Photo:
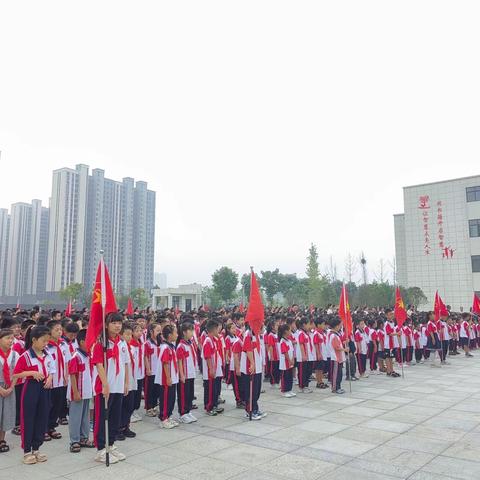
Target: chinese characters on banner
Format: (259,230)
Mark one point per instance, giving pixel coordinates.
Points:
(424,205)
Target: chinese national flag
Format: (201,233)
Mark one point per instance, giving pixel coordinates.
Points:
(255,312)
(439,308)
(476,305)
(103,303)
(69,309)
(344,312)
(400,312)
(129,310)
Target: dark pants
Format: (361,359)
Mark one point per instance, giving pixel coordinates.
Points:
(128,406)
(337,373)
(166,401)
(329,369)
(238,387)
(185,394)
(304,374)
(274,372)
(426,353)
(407,354)
(18,401)
(253,386)
(351,366)
(444,350)
(418,354)
(34,409)
(114,415)
(138,395)
(286,380)
(373,360)
(151,393)
(57,400)
(362,362)
(211,392)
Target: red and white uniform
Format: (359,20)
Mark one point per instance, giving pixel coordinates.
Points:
(187,352)
(152,351)
(392,339)
(336,343)
(361,341)
(79,365)
(237,347)
(417,340)
(117,360)
(272,341)
(60,354)
(11,359)
(307,342)
(210,351)
(139,347)
(286,352)
(251,344)
(29,361)
(167,356)
(380,334)
(407,336)
(132,356)
(431,328)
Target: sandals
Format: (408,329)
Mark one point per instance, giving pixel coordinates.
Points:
(63,421)
(54,434)
(29,459)
(87,444)
(47,437)
(4,448)
(75,447)
(40,457)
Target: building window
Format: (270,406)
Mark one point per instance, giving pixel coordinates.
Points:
(176,301)
(474,227)
(475,263)
(473,194)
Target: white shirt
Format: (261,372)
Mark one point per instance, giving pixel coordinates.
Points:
(79,365)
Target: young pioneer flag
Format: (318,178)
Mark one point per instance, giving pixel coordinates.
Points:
(400,312)
(344,312)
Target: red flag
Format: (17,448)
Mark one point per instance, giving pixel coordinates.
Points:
(400,312)
(344,312)
(69,309)
(476,304)
(103,303)
(255,312)
(129,310)
(439,308)
(241,308)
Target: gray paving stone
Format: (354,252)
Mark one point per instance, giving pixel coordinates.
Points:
(462,469)
(343,446)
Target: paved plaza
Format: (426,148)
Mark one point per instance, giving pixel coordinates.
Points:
(423,427)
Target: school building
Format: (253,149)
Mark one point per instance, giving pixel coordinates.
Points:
(437,240)
(185,297)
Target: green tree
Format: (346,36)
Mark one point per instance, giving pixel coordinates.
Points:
(270,281)
(122,301)
(211,297)
(140,298)
(224,283)
(413,296)
(71,292)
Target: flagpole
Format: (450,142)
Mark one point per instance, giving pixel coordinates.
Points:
(348,341)
(253,353)
(105,363)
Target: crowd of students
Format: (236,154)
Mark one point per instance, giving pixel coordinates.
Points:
(48,377)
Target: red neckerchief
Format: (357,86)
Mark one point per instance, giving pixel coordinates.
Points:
(139,345)
(6,367)
(132,360)
(41,360)
(59,357)
(174,357)
(114,353)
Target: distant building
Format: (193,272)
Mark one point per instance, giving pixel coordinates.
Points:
(185,297)
(160,280)
(437,240)
(23,249)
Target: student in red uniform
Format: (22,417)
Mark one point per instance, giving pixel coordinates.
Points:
(273,352)
(110,385)
(319,343)
(60,353)
(79,393)
(380,346)
(230,339)
(303,347)
(465,333)
(286,361)
(338,355)
(152,349)
(236,374)
(35,366)
(8,360)
(187,368)
(361,344)
(167,377)
(433,341)
(391,343)
(137,344)
(211,370)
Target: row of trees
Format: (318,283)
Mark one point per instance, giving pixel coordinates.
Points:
(315,288)
(77,293)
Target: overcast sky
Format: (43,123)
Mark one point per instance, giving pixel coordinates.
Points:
(263,126)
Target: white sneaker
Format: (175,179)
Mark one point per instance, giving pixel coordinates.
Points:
(101,457)
(116,454)
(185,419)
(289,394)
(135,418)
(167,424)
(306,390)
(194,419)
(175,423)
